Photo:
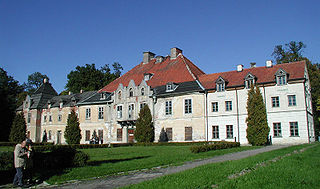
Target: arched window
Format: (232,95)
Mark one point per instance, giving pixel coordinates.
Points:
(142,91)
(281,77)
(130,92)
(119,95)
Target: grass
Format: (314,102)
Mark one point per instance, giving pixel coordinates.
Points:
(109,161)
(296,171)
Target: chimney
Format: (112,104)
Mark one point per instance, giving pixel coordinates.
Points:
(239,67)
(175,52)
(252,64)
(269,63)
(46,80)
(81,91)
(70,93)
(147,56)
(159,59)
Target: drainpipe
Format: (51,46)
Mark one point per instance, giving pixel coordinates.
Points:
(305,101)
(206,115)
(238,115)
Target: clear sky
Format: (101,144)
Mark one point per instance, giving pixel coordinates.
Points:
(53,37)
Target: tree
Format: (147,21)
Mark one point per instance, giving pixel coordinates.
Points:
(9,89)
(144,127)
(44,137)
(90,78)
(257,125)
(18,129)
(293,52)
(163,136)
(34,81)
(72,134)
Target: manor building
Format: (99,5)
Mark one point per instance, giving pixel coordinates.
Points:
(189,104)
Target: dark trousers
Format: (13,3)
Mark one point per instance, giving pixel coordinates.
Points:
(18,177)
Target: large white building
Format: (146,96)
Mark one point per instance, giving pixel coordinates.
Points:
(189,104)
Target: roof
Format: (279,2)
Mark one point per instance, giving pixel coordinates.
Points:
(189,86)
(262,74)
(177,70)
(46,88)
(67,99)
(96,99)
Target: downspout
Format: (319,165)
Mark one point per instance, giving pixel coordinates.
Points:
(305,101)
(238,115)
(206,115)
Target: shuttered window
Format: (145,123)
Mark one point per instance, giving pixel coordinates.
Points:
(119,134)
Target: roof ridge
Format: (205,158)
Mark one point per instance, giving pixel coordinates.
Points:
(188,68)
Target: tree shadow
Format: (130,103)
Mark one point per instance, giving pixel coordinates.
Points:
(97,163)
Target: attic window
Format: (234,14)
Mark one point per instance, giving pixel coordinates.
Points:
(119,95)
(61,105)
(142,92)
(249,81)
(130,92)
(281,77)
(220,84)
(170,87)
(147,76)
(103,96)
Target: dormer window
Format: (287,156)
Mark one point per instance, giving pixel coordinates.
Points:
(61,105)
(220,84)
(171,86)
(102,96)
(281,77)
(130,92)
(249,80)
(147,76)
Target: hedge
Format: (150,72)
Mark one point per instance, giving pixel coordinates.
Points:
(213,146)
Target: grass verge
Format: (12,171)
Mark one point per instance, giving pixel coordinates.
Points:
(295,171)
(109,161)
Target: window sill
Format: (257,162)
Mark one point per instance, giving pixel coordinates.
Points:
(277,136)
(295,136)
(230,138)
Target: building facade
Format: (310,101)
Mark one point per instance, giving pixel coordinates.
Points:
(189,104)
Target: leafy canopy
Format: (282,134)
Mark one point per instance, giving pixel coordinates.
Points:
(34,81)
(144,127)
(72,134)
(90,78)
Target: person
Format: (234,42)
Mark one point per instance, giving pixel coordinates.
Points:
(20,155)
(29,162)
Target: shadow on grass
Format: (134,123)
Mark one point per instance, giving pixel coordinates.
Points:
(97,163)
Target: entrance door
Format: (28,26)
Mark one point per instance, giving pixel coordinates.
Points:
(130,135)
(100,134)
(59,137)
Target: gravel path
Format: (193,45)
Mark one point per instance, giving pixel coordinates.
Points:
(123,180)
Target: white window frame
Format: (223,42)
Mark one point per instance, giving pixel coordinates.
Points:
(277,130)
(229,132)
(131,111)
(215,132)
(215,106)
(228,104)
(88,113)
(275,101)
(100,112)
(188,106)
(119,111)
(292,100)
(294,129)
(168,107)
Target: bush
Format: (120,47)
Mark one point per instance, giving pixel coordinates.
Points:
(213,146)
(80,159)
(6,161)
(163,136)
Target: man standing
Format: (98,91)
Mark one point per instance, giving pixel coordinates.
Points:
(20,155)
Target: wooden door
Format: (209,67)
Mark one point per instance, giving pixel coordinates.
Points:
(130,135)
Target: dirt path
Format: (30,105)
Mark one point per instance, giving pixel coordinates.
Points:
(124,180)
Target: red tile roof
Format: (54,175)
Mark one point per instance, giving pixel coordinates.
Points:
(263,74)
(176,70)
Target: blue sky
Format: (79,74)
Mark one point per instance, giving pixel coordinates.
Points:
(53,37)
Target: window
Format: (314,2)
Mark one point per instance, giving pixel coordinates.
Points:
(275,101)
(169,87)
(130,92)
(294,131)
(87,135)
(119,95)
(188,133)
(119,112)
(229,131)
(277,130)
(228,105)
(45,118)
(215,107)
(61,105)
(169,107)
(100,135)
(88,113)
(119,134)
(169,133)
(142,91)
(29,118)
(187,106)
(130,110)
(100,113)
(50,118)
(49,135)
(292,100)
(220,87)
(281,80)
(215,131)
(143,104)
(59,117)
(249,83)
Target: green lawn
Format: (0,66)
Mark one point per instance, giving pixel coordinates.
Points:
(108,161)
(296,171)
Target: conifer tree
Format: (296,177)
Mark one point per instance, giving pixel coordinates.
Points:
(72,134)
(144,127)
(258,129)
(18,129)
(163,136)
